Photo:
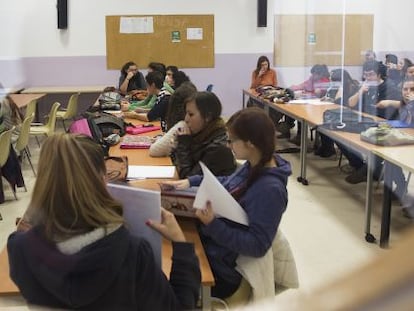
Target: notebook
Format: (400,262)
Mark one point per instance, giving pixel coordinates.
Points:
(139,129)
(136,142)
(140,205)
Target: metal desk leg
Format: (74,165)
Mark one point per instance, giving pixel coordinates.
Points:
(206,297)
(368,199)
(303,150)
(386,206)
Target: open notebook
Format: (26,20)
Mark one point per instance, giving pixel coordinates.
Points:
(139,206)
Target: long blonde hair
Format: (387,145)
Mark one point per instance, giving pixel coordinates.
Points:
(70,196)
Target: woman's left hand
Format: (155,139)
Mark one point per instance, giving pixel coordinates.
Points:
(206,215)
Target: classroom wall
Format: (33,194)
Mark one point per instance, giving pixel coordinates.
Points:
(35,53)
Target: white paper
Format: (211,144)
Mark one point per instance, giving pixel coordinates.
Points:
(315,102)
(223,204)
(194,33)
(136,24)
(150,171)
(139,205)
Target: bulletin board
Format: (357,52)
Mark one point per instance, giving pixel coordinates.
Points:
(305,40)
(186,41)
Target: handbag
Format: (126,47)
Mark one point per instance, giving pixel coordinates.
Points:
(116,168)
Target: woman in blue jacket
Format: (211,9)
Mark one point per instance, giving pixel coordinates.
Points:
(259,186)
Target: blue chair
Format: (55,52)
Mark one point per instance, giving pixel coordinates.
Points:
(209,88)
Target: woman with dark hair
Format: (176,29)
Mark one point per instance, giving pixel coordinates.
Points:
(131,79)
(174,120)
(203,138)
(259,186)
(263,74)
(75,251)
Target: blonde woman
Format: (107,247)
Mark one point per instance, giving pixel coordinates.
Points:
(77,254)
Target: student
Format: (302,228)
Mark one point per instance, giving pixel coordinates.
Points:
(131,79)
(203,138)
(10,115)
(393,72)
(170,70)
(77,254)
(315,86)
(164,145)
(263,74)
(259,186)
(155,83)
(338,93)
(369,99)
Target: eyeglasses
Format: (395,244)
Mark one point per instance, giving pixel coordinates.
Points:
(369,74)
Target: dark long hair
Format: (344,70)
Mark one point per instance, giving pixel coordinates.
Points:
(349,85)
(253,125)
(177,102)
(126,66)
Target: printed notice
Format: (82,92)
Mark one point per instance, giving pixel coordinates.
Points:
(194,33)
(136,24)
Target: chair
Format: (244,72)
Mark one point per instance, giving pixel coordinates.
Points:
(209,88)
(5,139)
(70,111)
(31,108)
(48,128)
(23,140)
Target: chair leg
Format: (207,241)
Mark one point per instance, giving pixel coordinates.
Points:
(30,161)
(64,126)
(38,143)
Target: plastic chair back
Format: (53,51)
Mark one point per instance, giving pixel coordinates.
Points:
(5,139)
(31,108)
(23,139)
(72,108)
(51,123)
(209,88)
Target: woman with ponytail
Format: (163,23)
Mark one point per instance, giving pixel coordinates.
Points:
(259,186)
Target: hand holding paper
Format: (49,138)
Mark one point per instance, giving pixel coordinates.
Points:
(224,205)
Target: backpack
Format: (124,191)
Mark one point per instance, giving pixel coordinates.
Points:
(352,121)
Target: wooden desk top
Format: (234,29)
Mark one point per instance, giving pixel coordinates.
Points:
(65,89)
(398,155)
(22,100)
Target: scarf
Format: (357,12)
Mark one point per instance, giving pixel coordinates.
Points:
(212,127)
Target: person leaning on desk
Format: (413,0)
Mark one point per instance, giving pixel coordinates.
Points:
(77,254)
(259,186)
(131,79)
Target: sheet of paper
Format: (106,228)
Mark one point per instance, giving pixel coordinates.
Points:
(150,171)
(194,33)
(315,102)
(224,205)
(139,205)
(136,24)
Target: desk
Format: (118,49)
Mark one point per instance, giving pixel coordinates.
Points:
(401,156)
(8,288)
(22,100)
(65,89)
(313,115)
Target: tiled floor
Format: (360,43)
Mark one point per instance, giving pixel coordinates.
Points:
(324,222)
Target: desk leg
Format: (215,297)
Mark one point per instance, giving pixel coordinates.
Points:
(303,150)
(206,298)
(386,207)
(368,199)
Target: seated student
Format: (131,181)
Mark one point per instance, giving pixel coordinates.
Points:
(315,86)
(131,79)
(393,72)
(148,103)
(403,65)
(203,138)
(164,145)
(169,71)
(338,93)
(10,115)
(77,253)
(259,186)
(155,82)
(369,99)
(263,75)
